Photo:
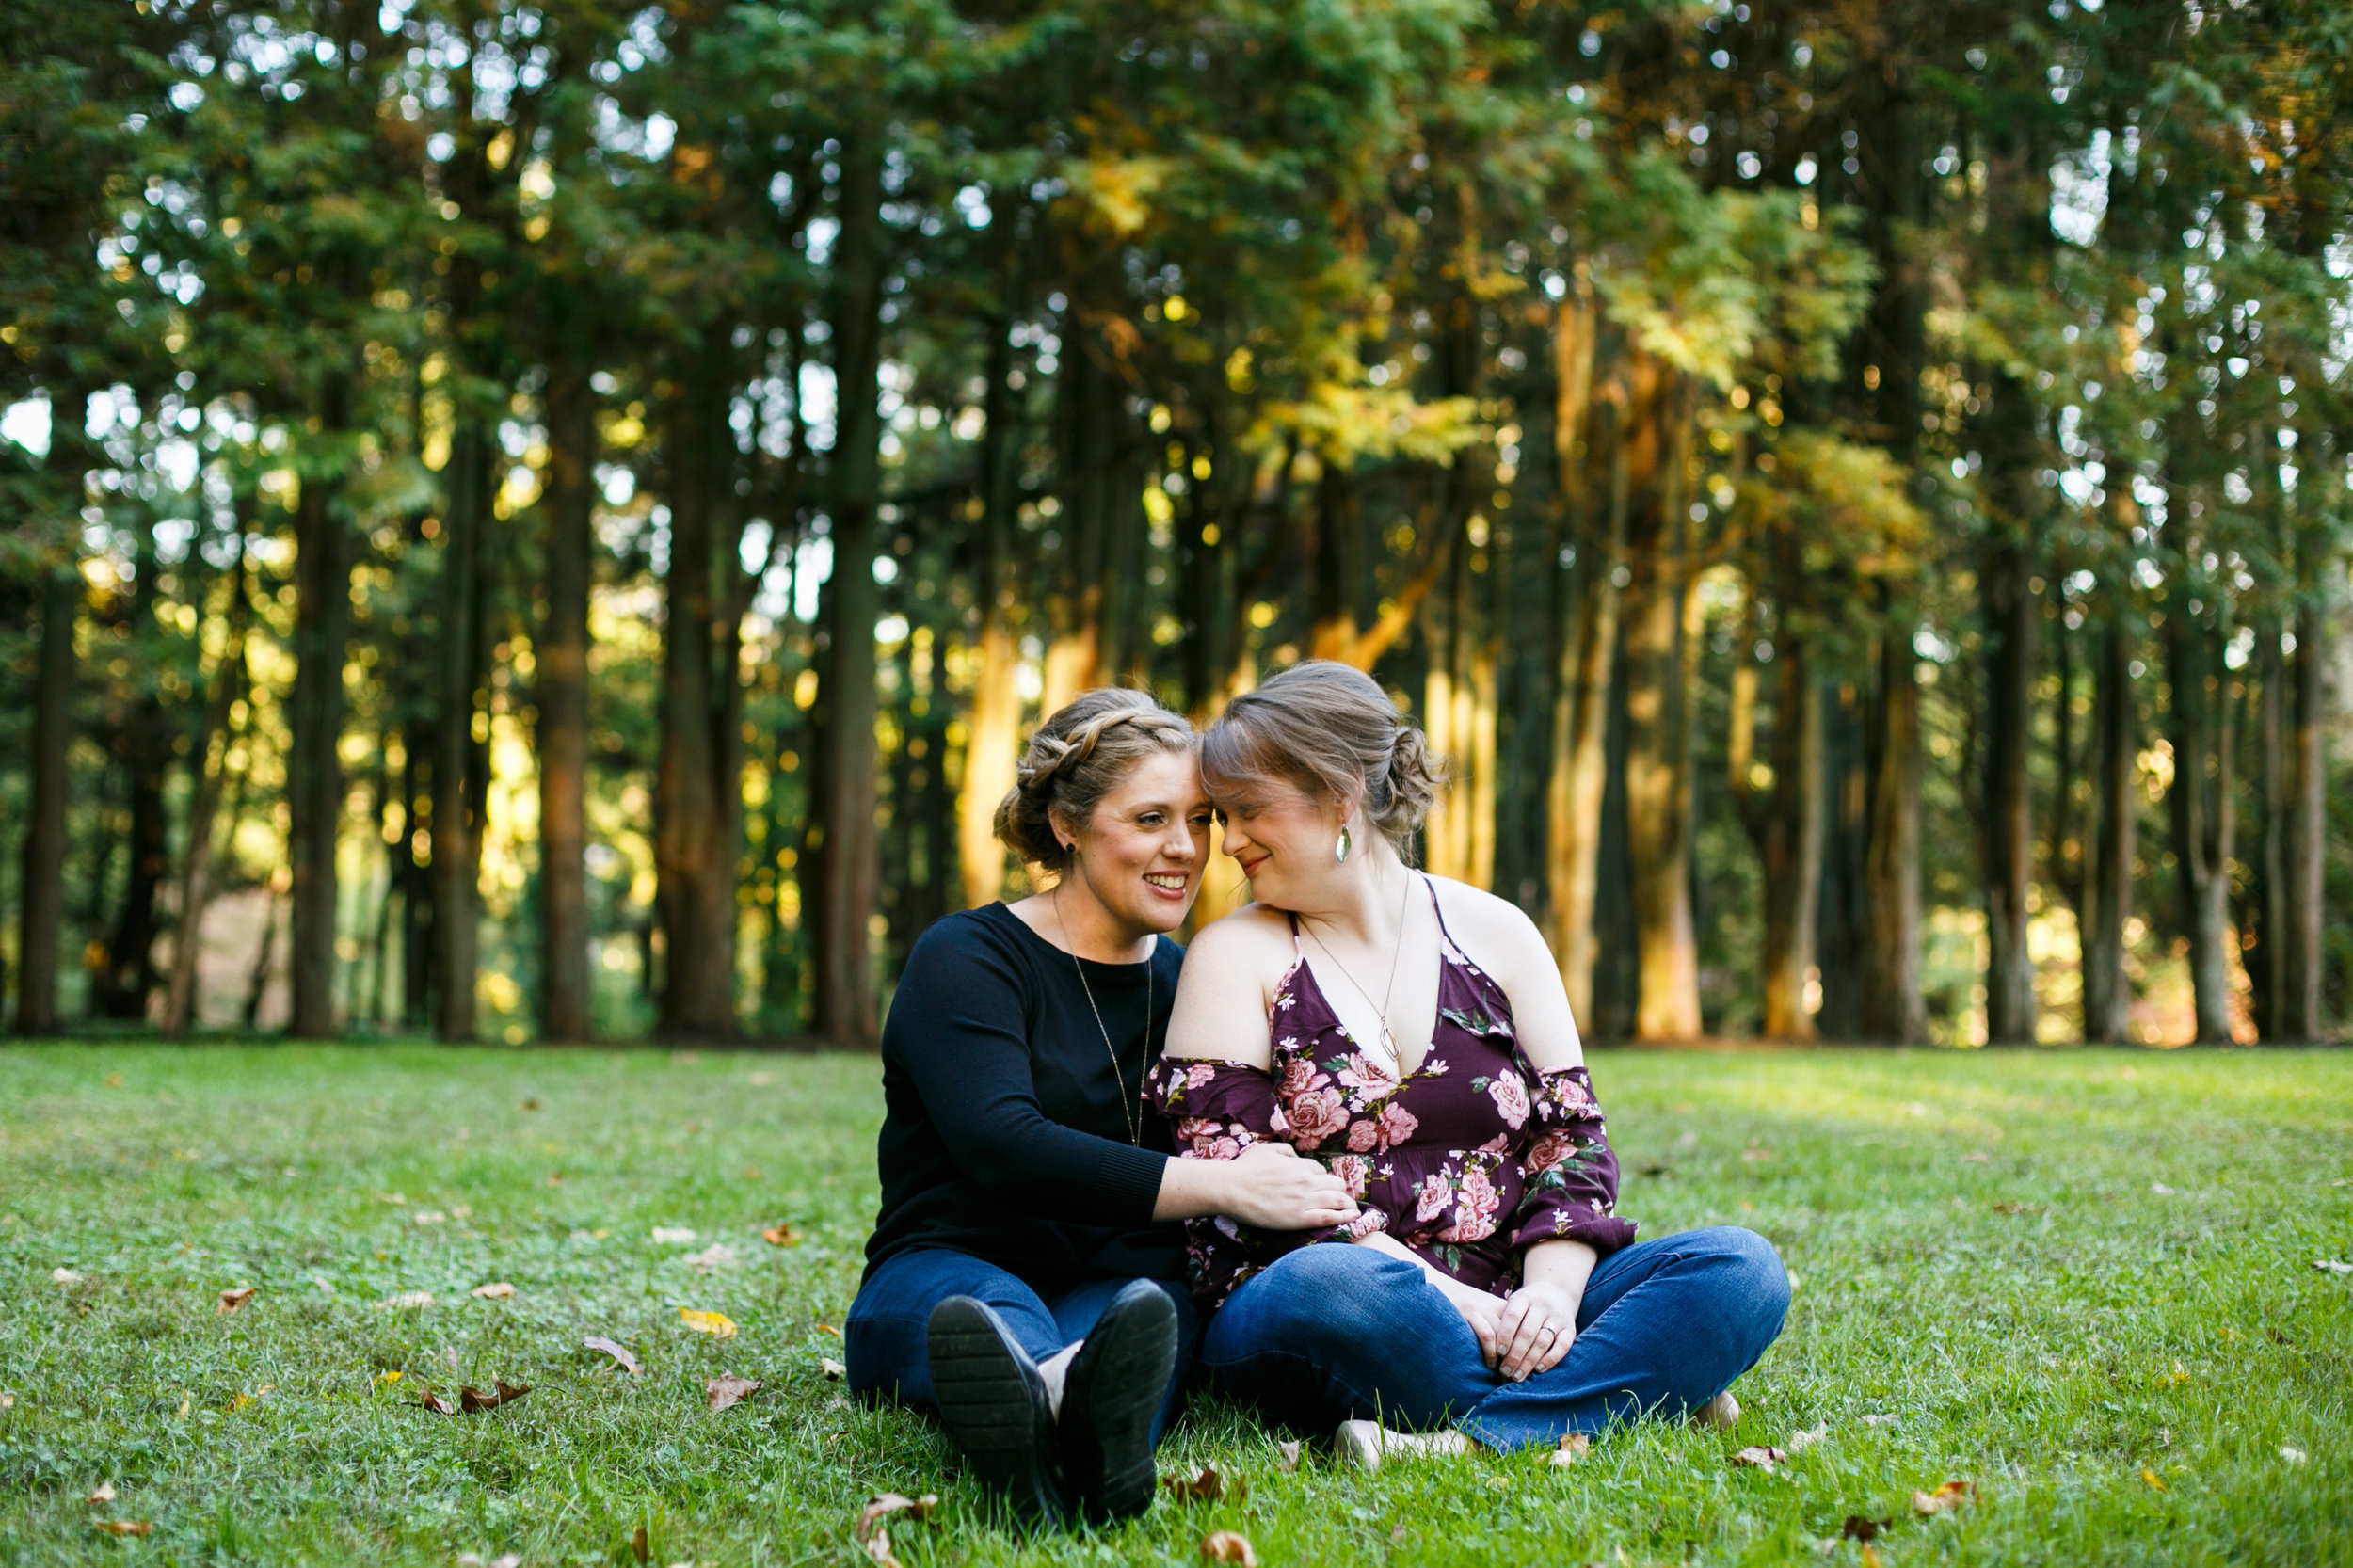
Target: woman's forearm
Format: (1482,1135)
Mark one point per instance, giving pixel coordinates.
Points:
(1190,1189)
(1560,1261)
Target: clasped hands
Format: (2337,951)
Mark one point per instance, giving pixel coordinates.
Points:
(1269,1186)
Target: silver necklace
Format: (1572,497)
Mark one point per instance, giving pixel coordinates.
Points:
(1388,1036)
(1130,1109)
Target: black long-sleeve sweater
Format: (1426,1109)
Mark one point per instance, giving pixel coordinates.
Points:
(1003,1133)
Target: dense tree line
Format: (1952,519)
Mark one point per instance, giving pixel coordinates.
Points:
(568,506)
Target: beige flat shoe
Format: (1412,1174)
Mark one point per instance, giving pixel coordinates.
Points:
(1721,1414)
(1362,1444)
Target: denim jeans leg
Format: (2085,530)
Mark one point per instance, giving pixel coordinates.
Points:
(883,1338)
(1076,1313)
(1333,1333)
(1665,1326)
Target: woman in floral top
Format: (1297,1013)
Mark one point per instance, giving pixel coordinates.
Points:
(1411,1033)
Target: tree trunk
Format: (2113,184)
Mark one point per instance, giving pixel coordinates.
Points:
(1890,1006)
(2300,950)
(563,704)
(208,769)
(2202,802)
(1658,825)
(127,982)
(1793,846)
(2012,614)
(695,809)
(1581,730)
(314,772)
(993,730)
(40,933)
(457,829)
(2108,877)
(850,852)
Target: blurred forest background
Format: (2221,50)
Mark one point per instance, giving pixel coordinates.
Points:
(549,520)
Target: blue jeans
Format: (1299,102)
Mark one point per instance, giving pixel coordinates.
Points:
(884,1335)
(1333,1333)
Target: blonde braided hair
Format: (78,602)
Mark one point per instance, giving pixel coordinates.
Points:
(1075,758)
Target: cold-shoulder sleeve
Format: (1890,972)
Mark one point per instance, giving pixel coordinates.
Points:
(1217,1110)
(1569,1176)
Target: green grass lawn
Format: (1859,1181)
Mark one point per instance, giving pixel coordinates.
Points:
(2083,1281)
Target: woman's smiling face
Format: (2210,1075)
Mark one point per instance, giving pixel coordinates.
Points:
(1282,839)
(1140,854)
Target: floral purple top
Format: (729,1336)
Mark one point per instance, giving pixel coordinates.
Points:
(1469,1161)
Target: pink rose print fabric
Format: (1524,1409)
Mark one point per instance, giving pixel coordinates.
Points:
(1471,1159)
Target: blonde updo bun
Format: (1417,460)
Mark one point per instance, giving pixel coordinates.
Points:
(1331,730)
(1075,758)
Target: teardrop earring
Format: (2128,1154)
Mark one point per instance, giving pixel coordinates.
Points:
(1339,851)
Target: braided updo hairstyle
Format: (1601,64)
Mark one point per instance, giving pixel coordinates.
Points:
(1075,758)
(1329,729)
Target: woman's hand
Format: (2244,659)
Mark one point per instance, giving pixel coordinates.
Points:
(1539,1322)
(1267,1185)
(1481,1311)
(1535,1328)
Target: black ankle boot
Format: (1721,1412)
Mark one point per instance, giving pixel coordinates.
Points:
(1116,1386)
(994,1405)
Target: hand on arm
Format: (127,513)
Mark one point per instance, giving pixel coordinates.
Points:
(1267,1185)
(1221,1016)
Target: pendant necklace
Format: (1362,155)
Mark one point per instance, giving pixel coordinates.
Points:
(1388,1036)
(1131,1111)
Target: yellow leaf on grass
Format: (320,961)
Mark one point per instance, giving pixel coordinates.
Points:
(715,1323)
(781,1235)
(1943,1499)
(126,1527)
(2150,1477)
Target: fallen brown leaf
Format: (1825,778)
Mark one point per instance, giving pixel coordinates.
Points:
(2017,1208)
(1857,1527)
(232,1299)
(105,1494)
(427,1400)
(833,1369)
(781,1236)
(126,1527)
(1574,1447)
(1801,1439)
(1228,1546)
(889,1505)
(1944,1498)
(8,1401)
(1206,1486)
(470,1399)
(531,1105)
(627,1361)
(875,1536)
(497,1290)
(1397,1533)
(637,1542)
(1289,1460)
(727,1389)
(1761,1458)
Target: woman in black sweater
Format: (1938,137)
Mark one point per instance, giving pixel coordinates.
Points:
(1025,1279)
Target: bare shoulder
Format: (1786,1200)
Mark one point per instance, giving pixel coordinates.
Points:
(1245,941)
(1494,933)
